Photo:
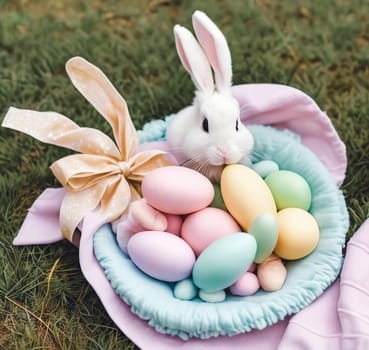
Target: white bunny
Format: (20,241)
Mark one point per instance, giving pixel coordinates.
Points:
(209,133)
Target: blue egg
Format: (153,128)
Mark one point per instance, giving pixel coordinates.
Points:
(223,262)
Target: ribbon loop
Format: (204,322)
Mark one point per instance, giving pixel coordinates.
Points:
(93,84)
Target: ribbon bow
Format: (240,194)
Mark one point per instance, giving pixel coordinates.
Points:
(104,173)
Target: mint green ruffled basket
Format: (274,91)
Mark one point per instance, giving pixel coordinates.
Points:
(153,300)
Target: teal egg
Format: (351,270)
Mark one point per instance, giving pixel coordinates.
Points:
(289,189)
(185,289)
(265,231)
(265,167)
(218,199)
(223,262)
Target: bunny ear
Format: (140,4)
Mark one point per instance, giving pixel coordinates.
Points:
(216,48)
(193,59)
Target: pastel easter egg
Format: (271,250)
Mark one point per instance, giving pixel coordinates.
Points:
(265,231)
(161,255)
(265,167)
(185,289)
(272,274)
(289,189)
(223,262)
(143,215)
(174,224)
(298,233)
(212,297)
(247,284)
(218,199)
(245,194)
(177,190)
(205,226)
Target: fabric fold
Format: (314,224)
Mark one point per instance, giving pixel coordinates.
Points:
(353,305)
(41,225)
(285,107)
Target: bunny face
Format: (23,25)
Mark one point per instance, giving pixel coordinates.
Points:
(222,135)
(209,134)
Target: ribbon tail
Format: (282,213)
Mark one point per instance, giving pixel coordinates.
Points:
(76,205)
(41,225)
(116,200)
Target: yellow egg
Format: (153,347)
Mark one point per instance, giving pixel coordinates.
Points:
(245,194)
(298,233)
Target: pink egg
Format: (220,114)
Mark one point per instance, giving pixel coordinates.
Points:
(177,190)
(174,224)
(161,255)
(205,226)
(247,284)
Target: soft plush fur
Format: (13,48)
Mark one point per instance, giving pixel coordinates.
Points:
(209,133)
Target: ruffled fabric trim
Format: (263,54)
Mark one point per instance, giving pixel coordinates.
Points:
(153,300)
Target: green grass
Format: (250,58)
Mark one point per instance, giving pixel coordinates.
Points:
(320,47)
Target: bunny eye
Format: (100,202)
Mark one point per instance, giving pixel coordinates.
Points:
(205,125)
(237,125)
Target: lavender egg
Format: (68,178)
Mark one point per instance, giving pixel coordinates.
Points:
(161,255)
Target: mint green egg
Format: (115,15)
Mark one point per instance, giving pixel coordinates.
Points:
(265,231)
(218,199)
(265,167)
(185,289)
(289,189)
(224,261)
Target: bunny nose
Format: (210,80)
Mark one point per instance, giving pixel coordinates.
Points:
(222,151)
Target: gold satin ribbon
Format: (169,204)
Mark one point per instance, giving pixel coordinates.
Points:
(103,173)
